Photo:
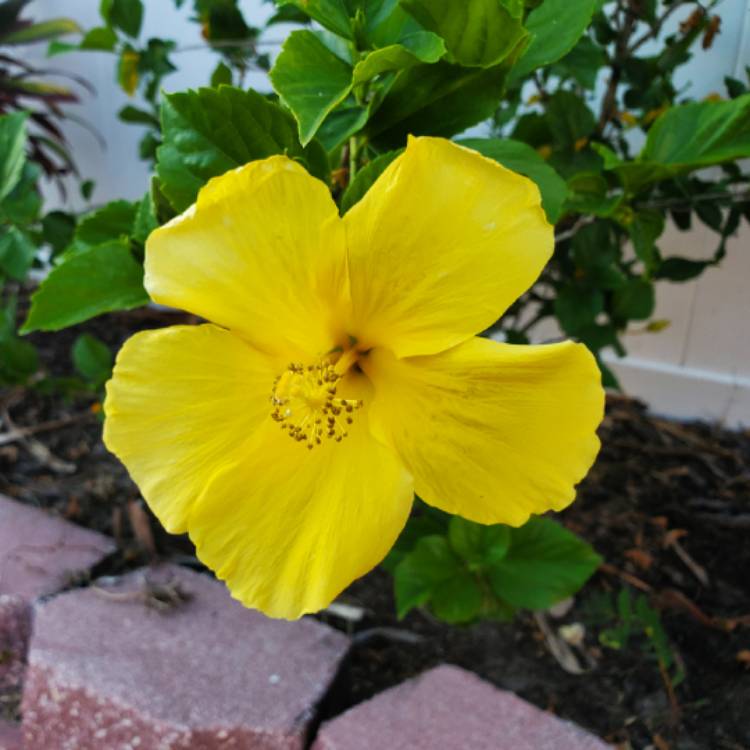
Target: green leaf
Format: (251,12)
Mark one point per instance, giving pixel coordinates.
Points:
(210,131)
(555,27)
(341,124)
(685,138)
(700,134)
(222,75)
(333,14)
(439,99)
(595,254)
(458,599)
(386,23)
(22,204)
(634,301)
(132,114)
(145,220)
(365,179)
(12,156)
(112,222)
(422,46)
(433,572)
(37,32)
(577,307)
(476,32)
(128,70)
(310,80)
(682,269)
(583,62)
(126,15)
(569,118)
(477,544)
(57,230)
(18,360)
(92,358)
(99,38)
(94,281)
(16,253)
(545,564)
(522,158)
(646,228)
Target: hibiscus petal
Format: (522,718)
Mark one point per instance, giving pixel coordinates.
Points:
(441,245)
(181,404)
(490,431)
(262,253)
(289,528)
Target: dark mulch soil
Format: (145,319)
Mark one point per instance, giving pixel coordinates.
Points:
(667,505)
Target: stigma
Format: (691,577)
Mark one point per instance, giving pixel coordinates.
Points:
(307,407)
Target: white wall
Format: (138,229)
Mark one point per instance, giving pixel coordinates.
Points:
(699,367)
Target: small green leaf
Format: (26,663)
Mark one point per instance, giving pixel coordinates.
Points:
(477,544)
(23,203)
(310,80)
(545,564)
(421,46)
(37,32)
(577,307)
(583,62)
(127,15)
(432,572)
(682,269)
(365,179)
(128,70)
(341,124)
(209,131)
(132,114)
(57,230)
(16,253)
(646,228)
(438,99)
(478,33)
(145,220)
(335,15)
(110,223)
(12,156)
(92,359)
(555,26)
(18,360)
(686,138)
(94,281)
(99,38)
(457,600)
(522,158)
(700,134)
(222,75)
(635,300)
(569,118)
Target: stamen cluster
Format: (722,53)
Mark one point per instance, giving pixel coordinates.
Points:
(306,406)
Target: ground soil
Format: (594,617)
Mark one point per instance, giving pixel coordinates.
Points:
(667,505)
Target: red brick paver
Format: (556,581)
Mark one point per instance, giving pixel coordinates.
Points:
(10,736)
(39,555)
(108,671)
(448,708)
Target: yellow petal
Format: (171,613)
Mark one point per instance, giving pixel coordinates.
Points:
(289,528)
(262,253)
(441,245)
(490,431)
(181,404)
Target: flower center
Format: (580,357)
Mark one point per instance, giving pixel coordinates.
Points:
(305,403)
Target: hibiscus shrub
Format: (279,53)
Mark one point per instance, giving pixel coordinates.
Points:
(577,95)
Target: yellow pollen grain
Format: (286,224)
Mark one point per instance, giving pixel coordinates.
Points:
(306,405)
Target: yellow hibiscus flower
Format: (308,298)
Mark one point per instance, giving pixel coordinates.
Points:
(341,371)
